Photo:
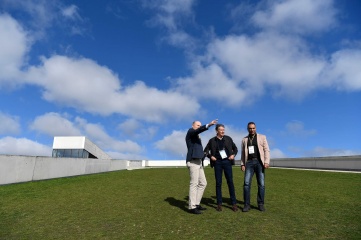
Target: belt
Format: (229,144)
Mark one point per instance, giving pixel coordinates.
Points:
(252,159)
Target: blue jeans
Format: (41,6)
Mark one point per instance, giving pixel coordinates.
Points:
(226,166)
(254,166)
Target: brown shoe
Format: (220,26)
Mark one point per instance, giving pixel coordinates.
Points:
(219,208)
(234,208)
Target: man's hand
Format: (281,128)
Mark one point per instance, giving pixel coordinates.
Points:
(243,168)
(231,157)
(213,158)
(213,122)
(266,165)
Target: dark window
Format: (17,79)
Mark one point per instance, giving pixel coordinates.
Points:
(72,153)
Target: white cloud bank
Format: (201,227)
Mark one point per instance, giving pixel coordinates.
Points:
(23,146)
(277,59)
(9,124)
(322,151)
(85,85)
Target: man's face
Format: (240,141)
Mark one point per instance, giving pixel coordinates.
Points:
(196,125)
(220,132)
(252,129)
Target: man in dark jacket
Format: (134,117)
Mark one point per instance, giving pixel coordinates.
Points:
(194,160)
(221,150)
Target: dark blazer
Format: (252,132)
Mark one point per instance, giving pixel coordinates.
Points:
(212,147)
(194,143)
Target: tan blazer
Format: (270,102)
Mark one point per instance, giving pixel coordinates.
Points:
(262,146)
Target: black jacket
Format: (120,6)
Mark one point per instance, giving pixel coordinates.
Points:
(194,143)
(212,147)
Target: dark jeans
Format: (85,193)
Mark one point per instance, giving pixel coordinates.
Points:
(254,166)
(226,166)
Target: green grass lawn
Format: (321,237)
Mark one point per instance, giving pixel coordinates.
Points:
(152,204)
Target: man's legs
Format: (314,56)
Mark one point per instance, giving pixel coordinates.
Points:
(227,165)
(197,183)
(261,185)
(247,185)
(202,183)
(218,172)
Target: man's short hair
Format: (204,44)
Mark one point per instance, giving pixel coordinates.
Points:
(219,125)
(250,124)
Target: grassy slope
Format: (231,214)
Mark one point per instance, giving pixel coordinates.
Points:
(152,203)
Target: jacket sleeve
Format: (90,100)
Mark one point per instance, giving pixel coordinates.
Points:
(234,148)
(266,151)
(208,152)
(207,148)
(243,157)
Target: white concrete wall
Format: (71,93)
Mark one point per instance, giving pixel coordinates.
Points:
(15,169)
(335,163)
(171,163)
(18,169)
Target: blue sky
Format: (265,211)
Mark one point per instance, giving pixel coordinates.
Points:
(132,75)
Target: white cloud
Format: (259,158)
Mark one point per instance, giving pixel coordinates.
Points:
(237,69)
(13,47)
(268,59)
(173,144)
(40,15)
(71,12)
(297,16)
(53,124)
(170,14)
(129,127)
(23,146)
(169,11)
(296,128)
(156,105)
(9,124)
(81,83)
(211,82)
(345,69)
(277,153)
(133,128)
(324,152)
(85,85)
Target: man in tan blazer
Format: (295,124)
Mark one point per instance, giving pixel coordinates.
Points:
(255,158)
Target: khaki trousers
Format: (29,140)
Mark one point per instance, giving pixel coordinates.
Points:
(197,183)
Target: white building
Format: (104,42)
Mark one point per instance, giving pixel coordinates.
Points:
(76,147)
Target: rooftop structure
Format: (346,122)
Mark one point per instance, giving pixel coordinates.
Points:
(76,147)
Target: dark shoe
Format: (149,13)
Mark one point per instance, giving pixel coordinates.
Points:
(199,207)
(195,211)
(261,208)
(219,208)
(246,208)
(234,208)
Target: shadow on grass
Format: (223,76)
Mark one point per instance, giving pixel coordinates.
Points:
(226,202)
(182,204)
(209,202)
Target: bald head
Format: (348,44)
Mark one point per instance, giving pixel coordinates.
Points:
(196,125)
